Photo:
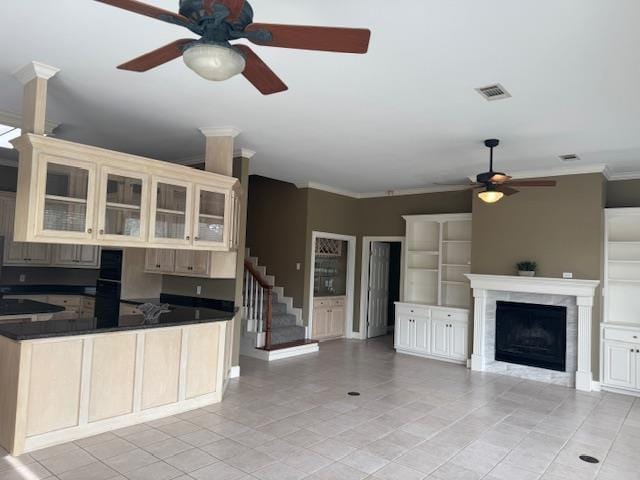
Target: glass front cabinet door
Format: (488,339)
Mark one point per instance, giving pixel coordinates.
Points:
(171,210)
(67,208)
(123,205)
(213,214)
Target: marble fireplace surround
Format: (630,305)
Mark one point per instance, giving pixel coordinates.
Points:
(574,294)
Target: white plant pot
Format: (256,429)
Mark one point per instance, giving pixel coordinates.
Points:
(524,273)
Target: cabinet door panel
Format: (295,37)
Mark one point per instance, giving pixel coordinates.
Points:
(184,260)
(171,208)
(421,326)
(320,321)
(403,335)
(439,337)
(337,321)
(212,216)
(67,207)
(619,365)
(38,253)
(200,262)
(123,204)
(88,255)
(459,341)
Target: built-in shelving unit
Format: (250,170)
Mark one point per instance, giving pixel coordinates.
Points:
(620,329)
(438,254)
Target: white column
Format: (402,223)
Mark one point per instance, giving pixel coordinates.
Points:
(220,149)
(479,316)
(584,376)
(34,76)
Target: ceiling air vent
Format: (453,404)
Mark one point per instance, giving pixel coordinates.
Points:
(572,157)
(493,92)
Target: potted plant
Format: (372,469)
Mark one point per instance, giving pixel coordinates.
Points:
(527,269)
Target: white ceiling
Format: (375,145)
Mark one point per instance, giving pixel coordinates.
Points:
(403,116)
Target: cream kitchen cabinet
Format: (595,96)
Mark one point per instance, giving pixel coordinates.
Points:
(70,193)
(435,332)
(75,256)
(160,260)
(620,358)
(329,314)
(191,263)
(41,254)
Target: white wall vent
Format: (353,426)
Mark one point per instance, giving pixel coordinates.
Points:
(572,157)
(493,92)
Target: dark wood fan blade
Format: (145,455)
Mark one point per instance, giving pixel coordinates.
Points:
(157,57)
(259,73)
(148,10)
(327,39)
(532,183)
(508,191)
(235,8)
(470,185)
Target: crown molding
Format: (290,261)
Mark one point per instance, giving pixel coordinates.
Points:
(14,120)
(34,70)
(220,131)
(244,153)
(388,193)
(557,172)
(614,177)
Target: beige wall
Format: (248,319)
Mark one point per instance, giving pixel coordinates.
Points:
(276,231)
(562,229)
(623,193)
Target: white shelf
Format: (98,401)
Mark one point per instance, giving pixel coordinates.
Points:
(57,198)
(456,241)
(122,206)
(211,217)
(425,252)
(458,284)
(457,265)
(621,280)
(421,269)
(166,211)
(623,242)
(626,262)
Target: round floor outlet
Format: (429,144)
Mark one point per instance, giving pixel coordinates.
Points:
(589,459)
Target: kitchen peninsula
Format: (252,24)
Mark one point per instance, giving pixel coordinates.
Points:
(68,379)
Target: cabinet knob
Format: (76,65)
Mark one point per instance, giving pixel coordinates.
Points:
(196,238)
(188,237)
(89,230)
(101,232)
(635,336)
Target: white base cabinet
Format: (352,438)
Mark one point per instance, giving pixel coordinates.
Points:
(329,315)
(434,332)
(621,358)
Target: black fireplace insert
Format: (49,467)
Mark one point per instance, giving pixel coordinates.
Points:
(533,335)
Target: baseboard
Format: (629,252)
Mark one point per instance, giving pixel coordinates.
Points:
(433,357)
(621,391)
(282,354)
(595,386)
(234,372)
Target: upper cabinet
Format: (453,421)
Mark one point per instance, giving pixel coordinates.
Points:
(72,193)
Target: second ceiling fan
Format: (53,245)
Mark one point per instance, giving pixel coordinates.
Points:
(496,185)
(218,22)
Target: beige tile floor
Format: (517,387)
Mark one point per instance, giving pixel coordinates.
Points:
(415,419)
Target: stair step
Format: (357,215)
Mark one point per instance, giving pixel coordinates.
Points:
(283,320)
(287,334)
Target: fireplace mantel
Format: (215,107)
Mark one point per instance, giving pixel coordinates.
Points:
(583,290)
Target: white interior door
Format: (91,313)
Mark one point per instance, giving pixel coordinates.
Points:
(379,259)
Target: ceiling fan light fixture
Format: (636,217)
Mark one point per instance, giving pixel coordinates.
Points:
(214,62)
(490,196)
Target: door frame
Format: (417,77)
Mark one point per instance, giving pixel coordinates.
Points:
(364,279)
(351,279)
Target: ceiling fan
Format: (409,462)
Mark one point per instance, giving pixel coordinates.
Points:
(496,185)
(218,22)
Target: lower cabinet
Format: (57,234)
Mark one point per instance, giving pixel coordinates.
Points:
(329,315)
(621,358)
(436,332)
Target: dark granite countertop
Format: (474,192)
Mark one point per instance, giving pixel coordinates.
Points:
(182,311)
(26,307)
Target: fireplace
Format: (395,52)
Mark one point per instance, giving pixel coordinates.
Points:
(530,334)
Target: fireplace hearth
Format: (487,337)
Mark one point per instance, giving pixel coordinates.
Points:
(532,335)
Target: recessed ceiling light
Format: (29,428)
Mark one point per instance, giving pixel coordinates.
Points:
(493,92)
(571,157)
(8,133)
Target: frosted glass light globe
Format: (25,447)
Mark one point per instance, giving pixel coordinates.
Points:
(214,62)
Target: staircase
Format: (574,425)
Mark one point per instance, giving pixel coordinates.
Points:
(271,327)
